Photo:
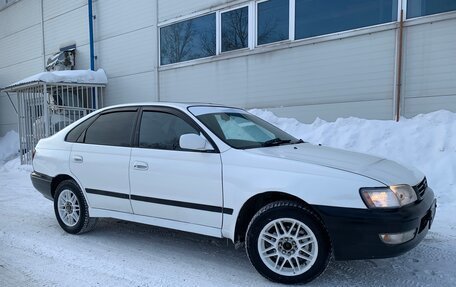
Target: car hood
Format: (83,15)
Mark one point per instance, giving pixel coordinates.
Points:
(385,171)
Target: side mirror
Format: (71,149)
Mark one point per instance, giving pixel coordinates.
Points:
(194,142)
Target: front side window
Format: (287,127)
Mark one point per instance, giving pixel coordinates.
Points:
(235,29)
(161,130)
(273,21)
(417,8)
(240,129)
(317,17)
(188,40)
(114,129)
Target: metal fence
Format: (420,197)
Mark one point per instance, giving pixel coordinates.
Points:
(46,108)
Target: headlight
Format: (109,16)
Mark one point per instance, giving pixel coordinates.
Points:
(388,197)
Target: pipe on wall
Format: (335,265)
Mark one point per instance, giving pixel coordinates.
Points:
(157,70)
(42,36)
(92,53)
(399,55)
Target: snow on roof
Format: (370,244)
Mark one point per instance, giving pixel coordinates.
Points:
(69,76)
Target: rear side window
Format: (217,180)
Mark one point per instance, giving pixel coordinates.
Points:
(113,129)
(162,130)
(76,132)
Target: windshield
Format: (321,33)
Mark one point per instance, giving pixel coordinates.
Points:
(240,129)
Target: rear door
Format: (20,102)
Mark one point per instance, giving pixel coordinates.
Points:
(170,183)
(100,159)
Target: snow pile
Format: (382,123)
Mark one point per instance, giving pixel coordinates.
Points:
(9,146)
(427,142)
(68,76)
(15,168)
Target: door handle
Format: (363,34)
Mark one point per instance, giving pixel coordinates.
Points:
(78,158)
(140,165)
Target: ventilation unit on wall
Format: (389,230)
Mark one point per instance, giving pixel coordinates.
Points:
(62,60)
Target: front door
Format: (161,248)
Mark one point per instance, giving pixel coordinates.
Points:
(168,182)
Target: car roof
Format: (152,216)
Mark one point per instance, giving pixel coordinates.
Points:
(179,105)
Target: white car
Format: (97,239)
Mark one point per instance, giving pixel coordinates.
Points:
(223,172)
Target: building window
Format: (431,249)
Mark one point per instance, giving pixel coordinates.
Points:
(417,8)
(188,40)
(316,17)
(235,29)
(273,21)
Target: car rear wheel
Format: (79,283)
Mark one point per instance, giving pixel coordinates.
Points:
(287,243)
(71,208)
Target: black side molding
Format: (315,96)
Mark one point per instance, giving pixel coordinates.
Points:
(108,193)
(162,201)
(182,204)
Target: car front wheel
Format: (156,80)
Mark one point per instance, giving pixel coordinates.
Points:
(71,208)
(287,243)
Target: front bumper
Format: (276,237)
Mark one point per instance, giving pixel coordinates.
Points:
(42,183)
(355,232)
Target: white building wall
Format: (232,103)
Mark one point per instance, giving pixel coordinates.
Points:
(170,9)
(126,47)
(350,75)
(65,24)
(430,66)
(310,78)
(55,8)
(20,52)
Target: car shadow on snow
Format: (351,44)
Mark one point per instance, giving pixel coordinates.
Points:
(222,259)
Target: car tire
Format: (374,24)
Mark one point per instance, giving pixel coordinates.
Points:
(71,209)
(288,243)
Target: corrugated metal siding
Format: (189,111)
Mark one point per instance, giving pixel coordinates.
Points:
(376,109)
(54,8)
(430,67)
(20,70)
(123,55)
(20,52)
(127,49)
(348,77)
(19,16)
(21,47)
(169,9)
(352,69)
(115,18)
(130,89)
(82,57)
(66,28)
(415,106)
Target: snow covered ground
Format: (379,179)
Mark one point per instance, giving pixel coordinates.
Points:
(35,251)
